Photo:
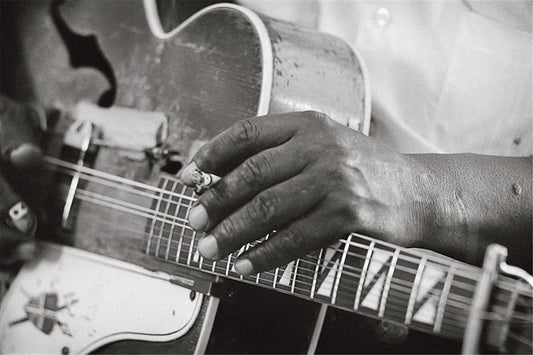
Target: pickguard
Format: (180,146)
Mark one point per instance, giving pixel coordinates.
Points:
(71,301)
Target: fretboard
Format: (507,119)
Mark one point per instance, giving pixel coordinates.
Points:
(360,274)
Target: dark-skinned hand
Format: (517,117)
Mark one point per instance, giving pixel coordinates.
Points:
(310,179)
(20,155)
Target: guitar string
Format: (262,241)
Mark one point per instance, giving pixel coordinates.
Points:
(519,337)
(109,176)
(148,195)
(305,290)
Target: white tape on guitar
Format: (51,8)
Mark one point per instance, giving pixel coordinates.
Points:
(72,301)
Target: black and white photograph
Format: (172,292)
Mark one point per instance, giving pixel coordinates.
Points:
(266,177)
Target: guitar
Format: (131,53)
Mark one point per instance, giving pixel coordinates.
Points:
(359,274)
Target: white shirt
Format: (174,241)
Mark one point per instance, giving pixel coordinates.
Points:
(445,76)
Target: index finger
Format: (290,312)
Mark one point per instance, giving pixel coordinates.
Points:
(18,142)
(244,139)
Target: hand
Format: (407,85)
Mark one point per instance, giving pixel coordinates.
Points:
(19,155)
(310,179)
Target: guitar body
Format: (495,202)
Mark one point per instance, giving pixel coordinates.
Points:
(222,65)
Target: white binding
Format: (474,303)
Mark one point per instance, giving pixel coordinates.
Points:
(154,23)
(365,124)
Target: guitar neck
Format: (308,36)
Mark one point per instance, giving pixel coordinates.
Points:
(360,274)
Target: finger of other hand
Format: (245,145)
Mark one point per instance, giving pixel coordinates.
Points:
(13,211)
(18,143)
(256,174)
(14,246)
(244,139)
(267,211)
(295,240)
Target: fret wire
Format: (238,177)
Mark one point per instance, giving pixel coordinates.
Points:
(443,298)
(166,213)
(363,275)
(164,183)
(182,233)
(294,273)
(148,246)
(315,274)
(414,291)
(386,287)
(201,260)
(275,277)
(191,247)
(173,225)
(339,271)
(228,264)
(245,250)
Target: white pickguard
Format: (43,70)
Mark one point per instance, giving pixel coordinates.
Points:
(68,299)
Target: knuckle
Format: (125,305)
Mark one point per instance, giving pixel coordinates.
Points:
(293,240)
(216,198)
(269,255)
(226,231)
(263,207)
(255,169)
(246,131)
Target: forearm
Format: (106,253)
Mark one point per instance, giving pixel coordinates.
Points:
(475,200)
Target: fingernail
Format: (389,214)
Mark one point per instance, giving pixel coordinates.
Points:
(190,176)
(22,218)
(198,218)
(26,251)
(208,247)
(244,266)
(26,155)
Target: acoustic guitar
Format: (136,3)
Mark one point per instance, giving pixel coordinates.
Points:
(135,272)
